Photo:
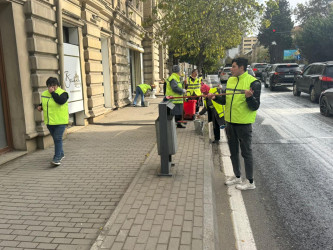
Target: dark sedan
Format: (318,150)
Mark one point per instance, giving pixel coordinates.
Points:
(326,102)
(316,78)
(282,74)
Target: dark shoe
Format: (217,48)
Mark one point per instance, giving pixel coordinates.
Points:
(62,157)
(216,141)
(180,126)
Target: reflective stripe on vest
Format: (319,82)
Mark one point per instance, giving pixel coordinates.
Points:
(54,113)
(169,91)
(193,86)
(236,108)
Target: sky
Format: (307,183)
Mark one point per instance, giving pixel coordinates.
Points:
(293,3)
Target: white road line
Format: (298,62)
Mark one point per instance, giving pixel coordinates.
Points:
(242,228)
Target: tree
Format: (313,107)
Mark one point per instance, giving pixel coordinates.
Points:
(313,8)
(200,31)
(275,29)
(316,38)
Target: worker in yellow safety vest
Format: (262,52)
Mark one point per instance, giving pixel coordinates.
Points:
(215,111)
(193,84)
(174,87)
(141,90)
(55,108)
(240,113)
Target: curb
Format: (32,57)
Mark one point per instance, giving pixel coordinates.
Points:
(241,224)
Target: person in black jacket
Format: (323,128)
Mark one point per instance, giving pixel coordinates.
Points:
(240,112)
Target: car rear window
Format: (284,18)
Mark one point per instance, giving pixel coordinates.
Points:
(226,70)
(260,65)
(329,71)
(287,68)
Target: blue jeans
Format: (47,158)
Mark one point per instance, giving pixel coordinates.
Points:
(138,91)
(57,132)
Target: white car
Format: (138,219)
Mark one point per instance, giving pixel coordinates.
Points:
(225,74)
(213,80)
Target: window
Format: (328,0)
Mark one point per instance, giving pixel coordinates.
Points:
(307,70)
(287,68)
(329,71)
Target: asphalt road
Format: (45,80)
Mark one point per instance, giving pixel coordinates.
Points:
(292,207)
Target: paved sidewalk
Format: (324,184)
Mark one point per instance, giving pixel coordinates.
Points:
(43,207)
(107,189)
(167,212)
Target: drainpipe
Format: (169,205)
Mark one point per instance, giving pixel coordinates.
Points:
(60,43)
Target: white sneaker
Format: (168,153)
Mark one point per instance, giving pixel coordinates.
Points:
(246,185)
(233,180)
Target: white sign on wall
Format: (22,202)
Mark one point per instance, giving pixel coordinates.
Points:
(72,78)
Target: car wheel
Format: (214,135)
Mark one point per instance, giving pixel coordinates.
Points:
(313,95)
(324,109)
(296,92)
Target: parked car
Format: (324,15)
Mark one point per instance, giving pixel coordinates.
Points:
(282,74)
(264,74)
(326,102)
(213,80)
(316,78)
(225,74)
(258,68)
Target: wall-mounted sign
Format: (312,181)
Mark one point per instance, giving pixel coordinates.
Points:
(72,78)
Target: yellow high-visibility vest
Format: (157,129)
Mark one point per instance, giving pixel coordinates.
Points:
(236,108)
(54,113)
(169,91)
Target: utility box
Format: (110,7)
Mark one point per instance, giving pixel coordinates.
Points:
(166,136)
(171,135)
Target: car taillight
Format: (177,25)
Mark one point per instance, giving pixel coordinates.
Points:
(277,73)
(255,69)
(326,78)
(223,74)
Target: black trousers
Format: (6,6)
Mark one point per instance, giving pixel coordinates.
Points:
(216,128)
(240,135)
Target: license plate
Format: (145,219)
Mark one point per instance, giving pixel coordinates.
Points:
(289,76)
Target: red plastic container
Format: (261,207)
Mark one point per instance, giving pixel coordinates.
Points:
(189,109)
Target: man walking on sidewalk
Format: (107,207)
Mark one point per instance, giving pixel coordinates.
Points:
(55,107)
(240,113)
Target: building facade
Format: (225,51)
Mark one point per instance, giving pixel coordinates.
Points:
(98,49)
(247,44)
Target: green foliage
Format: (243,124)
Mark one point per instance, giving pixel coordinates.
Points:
(316,38)
(200,31)
(278,17)
(313,8)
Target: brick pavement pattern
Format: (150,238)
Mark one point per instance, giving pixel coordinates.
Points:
(166,212)
(65,207)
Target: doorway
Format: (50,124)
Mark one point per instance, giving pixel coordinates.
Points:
(136,71)
(6,140)
(108,95)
